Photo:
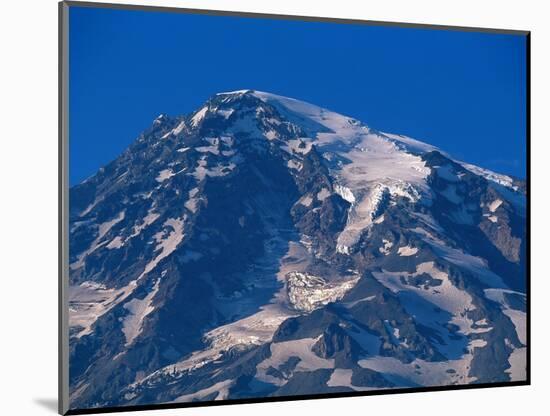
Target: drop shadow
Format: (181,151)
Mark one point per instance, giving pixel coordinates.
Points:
(48,404)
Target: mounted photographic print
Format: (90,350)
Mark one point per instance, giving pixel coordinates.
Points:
(263,208)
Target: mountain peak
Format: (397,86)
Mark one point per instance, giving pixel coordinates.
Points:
(237,92)
(272,238)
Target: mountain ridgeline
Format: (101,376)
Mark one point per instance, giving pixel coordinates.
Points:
(263,246)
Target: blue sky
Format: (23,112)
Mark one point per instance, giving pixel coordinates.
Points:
(463,92)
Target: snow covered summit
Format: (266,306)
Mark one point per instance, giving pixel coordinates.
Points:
(264,246)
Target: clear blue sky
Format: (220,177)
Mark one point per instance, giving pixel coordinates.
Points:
(464,92)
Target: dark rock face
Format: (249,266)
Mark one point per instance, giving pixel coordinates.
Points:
(262,246)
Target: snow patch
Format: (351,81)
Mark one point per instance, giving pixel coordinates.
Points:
(518,364)
(292,164)
(517,317)
(221,388)
(150,218)
(88,301)
(445,295)
(307,292)
(192,203)
(306,200)
(138,309)
(425,373)
(345,193)
(323,194)
(447,172)
(298,146)
(164,175)
(103,229)
(199,116)
(493,206)
(282,351)
(503,180)
(407,251)
(225,113)
(115,243)
(492,218)
(340,377)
